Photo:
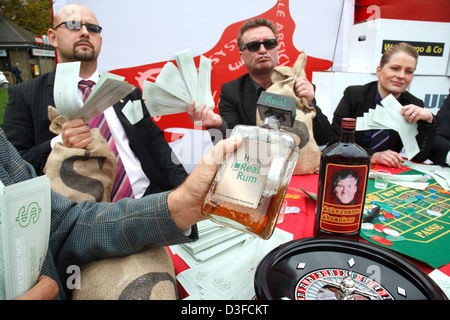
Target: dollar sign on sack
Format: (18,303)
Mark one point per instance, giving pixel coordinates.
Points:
(83,184)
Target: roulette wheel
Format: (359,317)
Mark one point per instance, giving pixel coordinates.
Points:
(340,269)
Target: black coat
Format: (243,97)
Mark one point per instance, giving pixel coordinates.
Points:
(26,126)
(441,146)
(358,99)
(237,105)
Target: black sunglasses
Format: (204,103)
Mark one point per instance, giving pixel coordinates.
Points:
(77,25)
(255,45)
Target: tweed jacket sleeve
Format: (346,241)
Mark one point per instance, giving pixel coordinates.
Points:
(81,233)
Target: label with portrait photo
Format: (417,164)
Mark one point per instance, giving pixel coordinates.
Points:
(343,201)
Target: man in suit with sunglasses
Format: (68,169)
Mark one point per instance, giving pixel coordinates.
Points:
(145,154)
(257,43)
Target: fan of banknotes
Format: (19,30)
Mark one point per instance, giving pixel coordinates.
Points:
(388,115)
(175,88)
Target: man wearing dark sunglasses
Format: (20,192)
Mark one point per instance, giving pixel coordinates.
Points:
(257,43)
(147,158)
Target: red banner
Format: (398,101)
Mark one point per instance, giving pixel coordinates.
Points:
(432,10)
(226,63)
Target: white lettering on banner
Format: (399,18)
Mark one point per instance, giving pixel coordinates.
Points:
(283,59)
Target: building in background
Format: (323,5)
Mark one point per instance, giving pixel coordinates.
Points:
(34,53)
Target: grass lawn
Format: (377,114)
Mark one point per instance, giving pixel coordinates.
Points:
(3,101)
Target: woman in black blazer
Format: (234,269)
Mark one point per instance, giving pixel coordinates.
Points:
(395,72)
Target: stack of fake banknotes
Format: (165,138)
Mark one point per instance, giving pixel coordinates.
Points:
(388,115)
(109,89)
(24,234)
(223,262)
(175,88)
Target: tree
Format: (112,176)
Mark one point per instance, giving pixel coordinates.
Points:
(32,15)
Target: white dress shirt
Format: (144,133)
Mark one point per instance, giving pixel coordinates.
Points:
(138,180)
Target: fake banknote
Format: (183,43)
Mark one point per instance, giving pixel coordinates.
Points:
(175,88)
(388,115)
(24,234)
(218,246)
(108,90)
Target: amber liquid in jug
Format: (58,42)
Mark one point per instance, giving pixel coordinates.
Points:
(249,188)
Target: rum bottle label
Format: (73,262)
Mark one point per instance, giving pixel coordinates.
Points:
(245,175)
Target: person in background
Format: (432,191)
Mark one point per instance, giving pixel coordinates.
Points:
(88,231)
(17,73)
(258,50)
(440,154)
(147,158)
(395,73)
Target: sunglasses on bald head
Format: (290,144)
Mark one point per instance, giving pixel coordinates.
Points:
(77,25)
(253,46)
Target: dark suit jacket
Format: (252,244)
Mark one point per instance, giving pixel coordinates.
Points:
(358,99)
(26,126)
(237,105)
(441,146)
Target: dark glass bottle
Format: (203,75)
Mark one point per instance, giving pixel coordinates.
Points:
(343,176)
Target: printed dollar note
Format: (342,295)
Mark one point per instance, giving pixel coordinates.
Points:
(175,88)
(24,234)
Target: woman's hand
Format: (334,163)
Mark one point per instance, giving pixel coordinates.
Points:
(413,113)
(387,158)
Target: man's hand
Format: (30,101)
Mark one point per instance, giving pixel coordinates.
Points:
(76,134)
(304,88)
(185,202)
(45,289)
(202,116)
(388,158)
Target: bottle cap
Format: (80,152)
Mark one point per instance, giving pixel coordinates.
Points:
(276,103)
(348,123)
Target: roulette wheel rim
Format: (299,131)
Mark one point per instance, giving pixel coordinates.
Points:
(279,274)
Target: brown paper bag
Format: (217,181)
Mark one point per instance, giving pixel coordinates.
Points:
(148,275)
(283,79)
(80,174)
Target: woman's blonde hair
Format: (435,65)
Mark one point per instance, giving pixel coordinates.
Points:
(398,47)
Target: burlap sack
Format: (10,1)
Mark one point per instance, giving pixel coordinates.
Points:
(283,79)
(80,174)
(148,275)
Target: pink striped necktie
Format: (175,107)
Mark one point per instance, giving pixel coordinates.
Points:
(86,88)
(121,187)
